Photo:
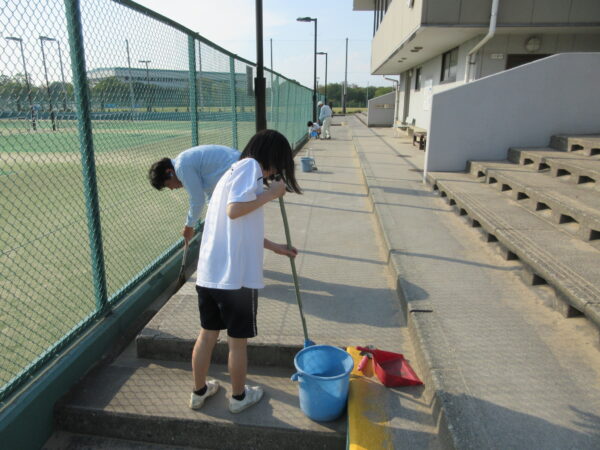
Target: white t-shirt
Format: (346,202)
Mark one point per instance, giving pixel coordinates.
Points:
(231,252)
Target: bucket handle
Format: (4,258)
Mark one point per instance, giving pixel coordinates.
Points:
(296,376)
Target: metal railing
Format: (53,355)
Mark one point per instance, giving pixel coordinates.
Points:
(91,93)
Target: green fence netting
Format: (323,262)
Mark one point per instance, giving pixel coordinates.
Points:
(91,93)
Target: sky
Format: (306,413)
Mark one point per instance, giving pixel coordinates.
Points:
(231,24)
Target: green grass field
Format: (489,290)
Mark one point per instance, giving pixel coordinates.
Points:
(45,276)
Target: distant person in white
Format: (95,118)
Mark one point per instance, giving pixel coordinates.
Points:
(325,115)
(314,130)
(230,266)
(198,170)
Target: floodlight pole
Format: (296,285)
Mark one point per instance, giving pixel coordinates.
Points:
(131,94)
(345,81)
(52,116)
(311,19)
(20,41)
(325,53)
(147,61)
(62,75)
(259,81)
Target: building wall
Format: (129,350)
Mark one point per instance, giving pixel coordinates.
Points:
(381,110)
(397,25)
(506,44)
(488,62)
(522,107)
(420,101)
(521,12)
(402,23)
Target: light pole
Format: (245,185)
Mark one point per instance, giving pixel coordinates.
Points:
(260,82)
(20,41)
(147,61)
(131,94)
(345,81)
(62,71)
(52,117)
(325,53)
(311,19)
(62,75)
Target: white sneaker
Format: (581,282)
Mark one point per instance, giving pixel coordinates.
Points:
(253,395)
(196,401)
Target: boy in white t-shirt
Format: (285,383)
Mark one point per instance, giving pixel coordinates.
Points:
(230,266)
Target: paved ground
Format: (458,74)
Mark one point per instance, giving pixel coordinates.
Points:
(348,294)
(501,370)
(508,372)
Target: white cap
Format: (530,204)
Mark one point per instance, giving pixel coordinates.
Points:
(319,104)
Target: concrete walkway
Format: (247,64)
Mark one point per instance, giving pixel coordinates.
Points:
(507,372)
(349,298)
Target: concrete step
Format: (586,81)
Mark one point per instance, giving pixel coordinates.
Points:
(142,400)
(587,144)
(572,208)
(171,334)
(62,440)
(548,254)
(570,167)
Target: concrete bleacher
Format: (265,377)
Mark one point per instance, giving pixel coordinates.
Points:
(543,206)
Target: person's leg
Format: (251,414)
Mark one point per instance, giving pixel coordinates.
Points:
(201,356)
(238,364)
(239,311)
(211,323)
(326,123)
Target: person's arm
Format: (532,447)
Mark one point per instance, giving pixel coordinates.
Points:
(193,185)
(280,249)
(239,209)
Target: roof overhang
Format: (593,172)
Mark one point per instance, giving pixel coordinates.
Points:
(427,42)
(424,44)
(363,5)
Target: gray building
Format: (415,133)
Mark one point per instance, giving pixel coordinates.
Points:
(173,79)
(435,45)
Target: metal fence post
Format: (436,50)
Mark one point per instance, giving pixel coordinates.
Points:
(199,85)
(86,146)
(234,130)
(193,92)
(288,107)
(130,77)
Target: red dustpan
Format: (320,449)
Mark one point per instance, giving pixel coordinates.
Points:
(391,368)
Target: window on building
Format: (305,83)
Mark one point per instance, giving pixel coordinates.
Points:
(449,64)
(418,79)
(380,8)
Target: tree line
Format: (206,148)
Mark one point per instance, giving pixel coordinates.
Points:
(356,96)
(112,92)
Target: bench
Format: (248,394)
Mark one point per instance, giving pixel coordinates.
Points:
(420,137)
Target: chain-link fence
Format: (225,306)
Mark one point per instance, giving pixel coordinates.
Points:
(91,93)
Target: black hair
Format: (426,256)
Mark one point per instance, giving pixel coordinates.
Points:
(158,173)
(309,124)
(273,151)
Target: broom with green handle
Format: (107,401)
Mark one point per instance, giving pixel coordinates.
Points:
(307,341)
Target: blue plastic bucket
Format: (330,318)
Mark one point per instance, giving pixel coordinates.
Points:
(324,378)
(308,164)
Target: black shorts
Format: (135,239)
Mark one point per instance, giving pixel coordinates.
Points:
(233,310)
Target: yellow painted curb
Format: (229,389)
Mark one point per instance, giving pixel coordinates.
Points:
(368,421)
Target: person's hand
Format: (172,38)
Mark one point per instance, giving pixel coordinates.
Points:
(188,234)
(282,249)
(277,188)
